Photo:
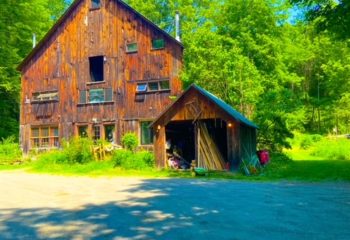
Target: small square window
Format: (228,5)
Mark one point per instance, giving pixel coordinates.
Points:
(131,47)
(95,4)
(97,96)
(141,87)
(158,43)
(164,85)
(153,86)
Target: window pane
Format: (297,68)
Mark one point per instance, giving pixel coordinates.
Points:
(131,47)
(158,43)
(146,133)
(96,96)
(164,85)
(35,132)
(96,68)
(141,87)
(44,142)
(95,3)
(153,86)
(97,134)
(82,98)
(82,131)
(35,142)
(54,132)
(109,133)
(44,132)
(108,95)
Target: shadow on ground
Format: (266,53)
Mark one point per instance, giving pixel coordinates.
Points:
(191,209)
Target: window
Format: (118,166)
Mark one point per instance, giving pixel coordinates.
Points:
(83,131)
(96,68)
(153,86)
(96,96)
(97,133)
(141,87)
(158,43)
(146,133)
(95,4)
(45,137)
(109,133)
(82,97)
(131,47)
(45,96)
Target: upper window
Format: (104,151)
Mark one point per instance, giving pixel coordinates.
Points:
(96,68)
(95,4)
(45,96)
(158,43)
(131,47)
(153,86)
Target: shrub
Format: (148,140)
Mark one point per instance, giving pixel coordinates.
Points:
(10,151)
(309,140)
(130,160)
(130,141)
(77,150)
(51,157)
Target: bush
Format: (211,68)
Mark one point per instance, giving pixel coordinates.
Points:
(10,151)
(77,150)
(51,157)
(130,141)
(130,160)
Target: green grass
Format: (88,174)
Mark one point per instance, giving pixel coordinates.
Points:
(312,158)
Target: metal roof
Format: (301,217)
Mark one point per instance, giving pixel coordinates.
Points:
(224,106)
(217,101)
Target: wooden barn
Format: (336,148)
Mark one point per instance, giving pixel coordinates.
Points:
(206,129)
(103,70)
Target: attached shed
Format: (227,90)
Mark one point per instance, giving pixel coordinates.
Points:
(199,121)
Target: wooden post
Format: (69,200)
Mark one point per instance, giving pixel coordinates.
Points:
(159,147)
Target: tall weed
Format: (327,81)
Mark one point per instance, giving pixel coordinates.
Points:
(10,151)
(130,160)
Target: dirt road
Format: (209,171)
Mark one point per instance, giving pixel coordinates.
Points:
(54,207)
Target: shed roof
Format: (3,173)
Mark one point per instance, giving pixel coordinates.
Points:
(65,16)
(220,103)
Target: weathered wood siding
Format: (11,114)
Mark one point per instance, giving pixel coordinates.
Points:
(62,64)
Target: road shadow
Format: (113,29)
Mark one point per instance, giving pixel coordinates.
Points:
(192,209)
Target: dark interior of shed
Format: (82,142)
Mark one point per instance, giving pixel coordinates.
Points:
(181,138)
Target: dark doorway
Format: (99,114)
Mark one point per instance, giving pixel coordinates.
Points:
(96,68)
(180,137)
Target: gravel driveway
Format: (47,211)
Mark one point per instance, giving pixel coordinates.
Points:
(42,207)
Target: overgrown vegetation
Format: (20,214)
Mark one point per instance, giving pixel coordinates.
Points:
(10,152)
(133,160)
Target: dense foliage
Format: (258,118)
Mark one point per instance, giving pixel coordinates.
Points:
(133,160)
(130,141)
(284,73)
